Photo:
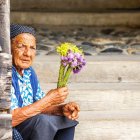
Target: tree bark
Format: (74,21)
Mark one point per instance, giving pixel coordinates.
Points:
(5,56)
(5,71)
(4,26)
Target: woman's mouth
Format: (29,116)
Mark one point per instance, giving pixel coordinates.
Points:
(25,61)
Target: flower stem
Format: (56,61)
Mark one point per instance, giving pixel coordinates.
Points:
(61,76)
(67,75)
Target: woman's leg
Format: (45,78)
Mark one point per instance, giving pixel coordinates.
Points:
(45,127)
(37,128)
(65,134)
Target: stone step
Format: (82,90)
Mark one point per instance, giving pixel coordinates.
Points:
(72,5)
(104,96)
(93,86)
(99,69)
(5,127)
(109,115)
(108,130)
(65,18)
(105,100)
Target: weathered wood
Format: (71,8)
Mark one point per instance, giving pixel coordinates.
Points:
(5,57)
(4,26)
(5,81)
(5,71)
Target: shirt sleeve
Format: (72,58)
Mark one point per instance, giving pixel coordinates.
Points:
(14,101)
(40,94)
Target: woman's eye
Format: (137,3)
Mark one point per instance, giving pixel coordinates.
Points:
(19,45)
(33,48)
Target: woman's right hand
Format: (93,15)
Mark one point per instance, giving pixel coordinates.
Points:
(57,96)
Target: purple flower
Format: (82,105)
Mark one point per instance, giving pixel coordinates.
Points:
(70,57)
(64,58)
(64,63)
(75,60)
(77,55)
(74,63)
(80,59)
(77,69)
(83,62)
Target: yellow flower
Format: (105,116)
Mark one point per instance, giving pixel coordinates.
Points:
(64,47)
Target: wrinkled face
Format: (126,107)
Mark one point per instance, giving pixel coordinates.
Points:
(23,50)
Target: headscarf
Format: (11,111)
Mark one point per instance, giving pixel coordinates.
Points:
(16,29)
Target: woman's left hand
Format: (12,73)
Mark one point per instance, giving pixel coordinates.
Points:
(71,110)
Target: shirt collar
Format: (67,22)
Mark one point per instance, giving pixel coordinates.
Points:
(26,73)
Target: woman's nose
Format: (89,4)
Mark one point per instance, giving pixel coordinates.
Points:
(27,51)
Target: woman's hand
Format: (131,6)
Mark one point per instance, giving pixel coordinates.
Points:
(71,110)
(57,96)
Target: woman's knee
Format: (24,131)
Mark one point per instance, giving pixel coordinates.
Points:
(67,133)
(42,128)
(41,118)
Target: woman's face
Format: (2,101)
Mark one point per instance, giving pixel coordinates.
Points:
(23,50)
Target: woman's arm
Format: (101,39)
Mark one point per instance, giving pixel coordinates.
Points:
(21,114)
(54,110)
(54,97)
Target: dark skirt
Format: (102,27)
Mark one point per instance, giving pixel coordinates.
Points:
(43,126)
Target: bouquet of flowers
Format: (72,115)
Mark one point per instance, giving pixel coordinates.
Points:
(72,59)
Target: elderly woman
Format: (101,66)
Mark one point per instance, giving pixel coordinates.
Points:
(35,115)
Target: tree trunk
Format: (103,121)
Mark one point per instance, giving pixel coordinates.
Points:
(5,70)
(4,26)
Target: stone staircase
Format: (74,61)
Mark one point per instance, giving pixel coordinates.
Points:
(107,91)
(76,12)
(108,88)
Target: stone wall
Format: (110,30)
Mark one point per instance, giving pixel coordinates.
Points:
(93,40)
